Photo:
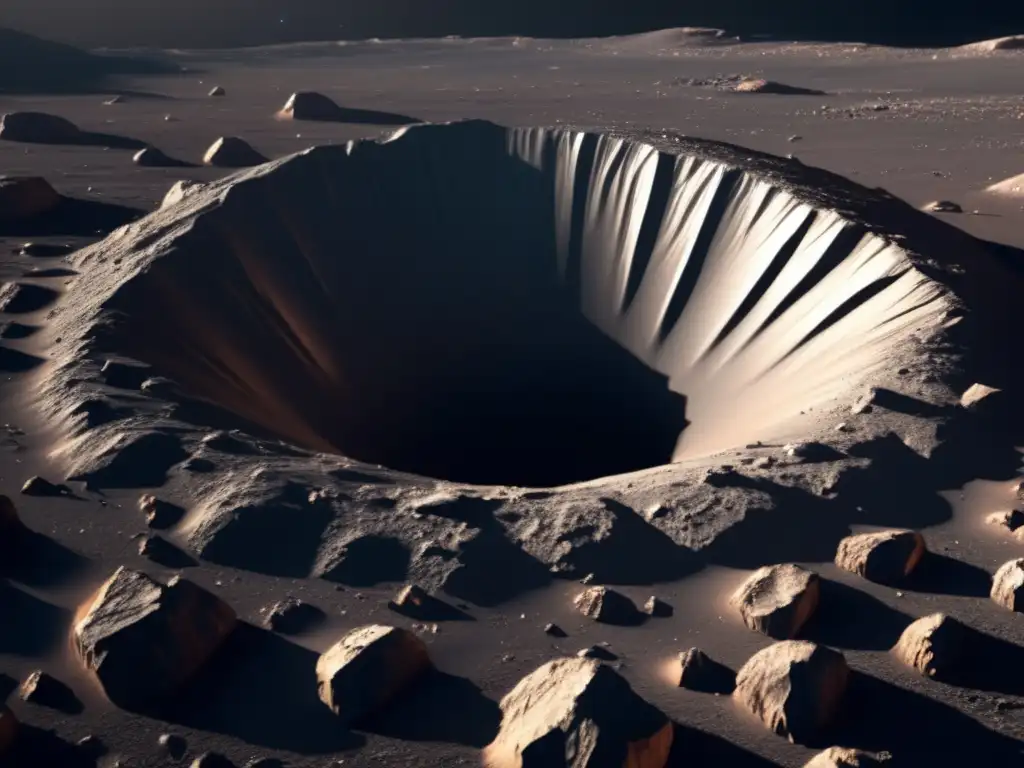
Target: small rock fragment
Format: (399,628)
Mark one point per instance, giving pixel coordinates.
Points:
(367,668)
(883,556)
(605,605)
(579,712)
(795,688)
(841,757)
(932,645)
(944,206)
(173,745)
(699,672)
(152,157)
(778,600)
(37,486)
(416,603)
(555,631)
(92,745)
(47,691)
(216,91)
(657,607)
(1008,586)
(159,514)
(291,616)
(212,760)
(162,552)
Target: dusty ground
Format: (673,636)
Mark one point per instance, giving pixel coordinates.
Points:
(925,125)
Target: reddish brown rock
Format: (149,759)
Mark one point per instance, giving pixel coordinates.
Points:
(841,757)
(778,600)
(794,687)
(882,556)
(578,713)
(143,640)
(367,668)
(1008,586)
(605,605)
(933,645)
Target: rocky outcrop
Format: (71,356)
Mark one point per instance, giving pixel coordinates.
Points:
(1008,585)
(143,640)
(605,605)
(367,668)
(795,688)
(699,672)
(22,197)
(778,600)
(933,645)
(884,556)
(842,757)
(578,713)
(38,128)
(232,152)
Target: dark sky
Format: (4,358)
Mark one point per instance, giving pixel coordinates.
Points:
(198,23)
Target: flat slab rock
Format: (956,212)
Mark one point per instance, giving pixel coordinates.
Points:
(368,668)
(842,757)
(882,556)
(778,600)
(1008,585)
(933,645)
(144,640)
(578,713)
(794,687)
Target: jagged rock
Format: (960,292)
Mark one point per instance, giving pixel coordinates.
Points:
(795,687)
(180,190)
(932,645)
(987,402)
(291,616)
(884,556)
(699,672)
(555,631)
(144,640)
(22,197)
(38,127)
(1008,585)
(578,713)
(842,757)
(415,602)
(1011,519)
(944,206)
(778,600)
(309,105)
(217,91)
(8,730)
(47,691)
(605,605)
(367,668)
(657,607)
(159,514)
(212,760)
(173,745)
(232,152)
(38,486)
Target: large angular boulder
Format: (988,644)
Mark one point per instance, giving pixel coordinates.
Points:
(795,687)
(310,105)
(232,152)
(778,600)
(38,127)
(22,197)
(699,672)
(144,640)
(883,556)
(605,605)
(842,757)
(367,668)
(578,713)
(1008,585)
(933,645)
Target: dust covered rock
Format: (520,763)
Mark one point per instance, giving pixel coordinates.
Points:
(932,645)
(883,556)
(605,605)
(22,197)
(8,730)
(1008,585)
(367,668)
(778,600)
(795,687)
(232,152)
(37,127)
(309,105)
(842,757)
(699,672)
(151,157)
(144,640)
(577,713)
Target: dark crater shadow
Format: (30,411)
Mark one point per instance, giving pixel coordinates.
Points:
(73,217)
(16,361)
(29,297)
(369,561)
(990,664)
(142,463)
(40,626)
(942,575)
(439,708)
(233,695)
(849,618)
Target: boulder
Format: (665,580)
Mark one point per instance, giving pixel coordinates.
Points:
(605,605)
(657,607)
(778,600)
(699,672)
(39,486)
(151,157)
(22,197)
(933,645)
(232,152)
(216,91)
(770,86)
(883,556)
(842,757)
(309,105)
(795,687)
(367,668)
(1008,586)
(144,640)
(944,206)
(38,127)
(163,552)
(416,603)
(578,713)
(8,730)
(159,513)
(292,616)
(1010,519)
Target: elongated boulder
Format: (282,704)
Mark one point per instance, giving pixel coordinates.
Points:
(933,645)
(38,127)
(578,713)
(842,757)
(1008,585)
(778,600)
(22,197)
(794,687)
(367,668)
(232,152)
(883,556)
(143,640)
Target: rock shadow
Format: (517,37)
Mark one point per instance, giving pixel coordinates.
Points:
(370,560)
(494,570)
(356,116)
(16,361)
(941,575)
(73,217)
(142,462)
(40,562)
(37,747)
(991,664)
(851,619)
(29,297)
(262,689)
(694,747)
(891,400)
(440,708)
(39,627)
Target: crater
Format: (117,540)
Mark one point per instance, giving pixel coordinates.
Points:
(528,307)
